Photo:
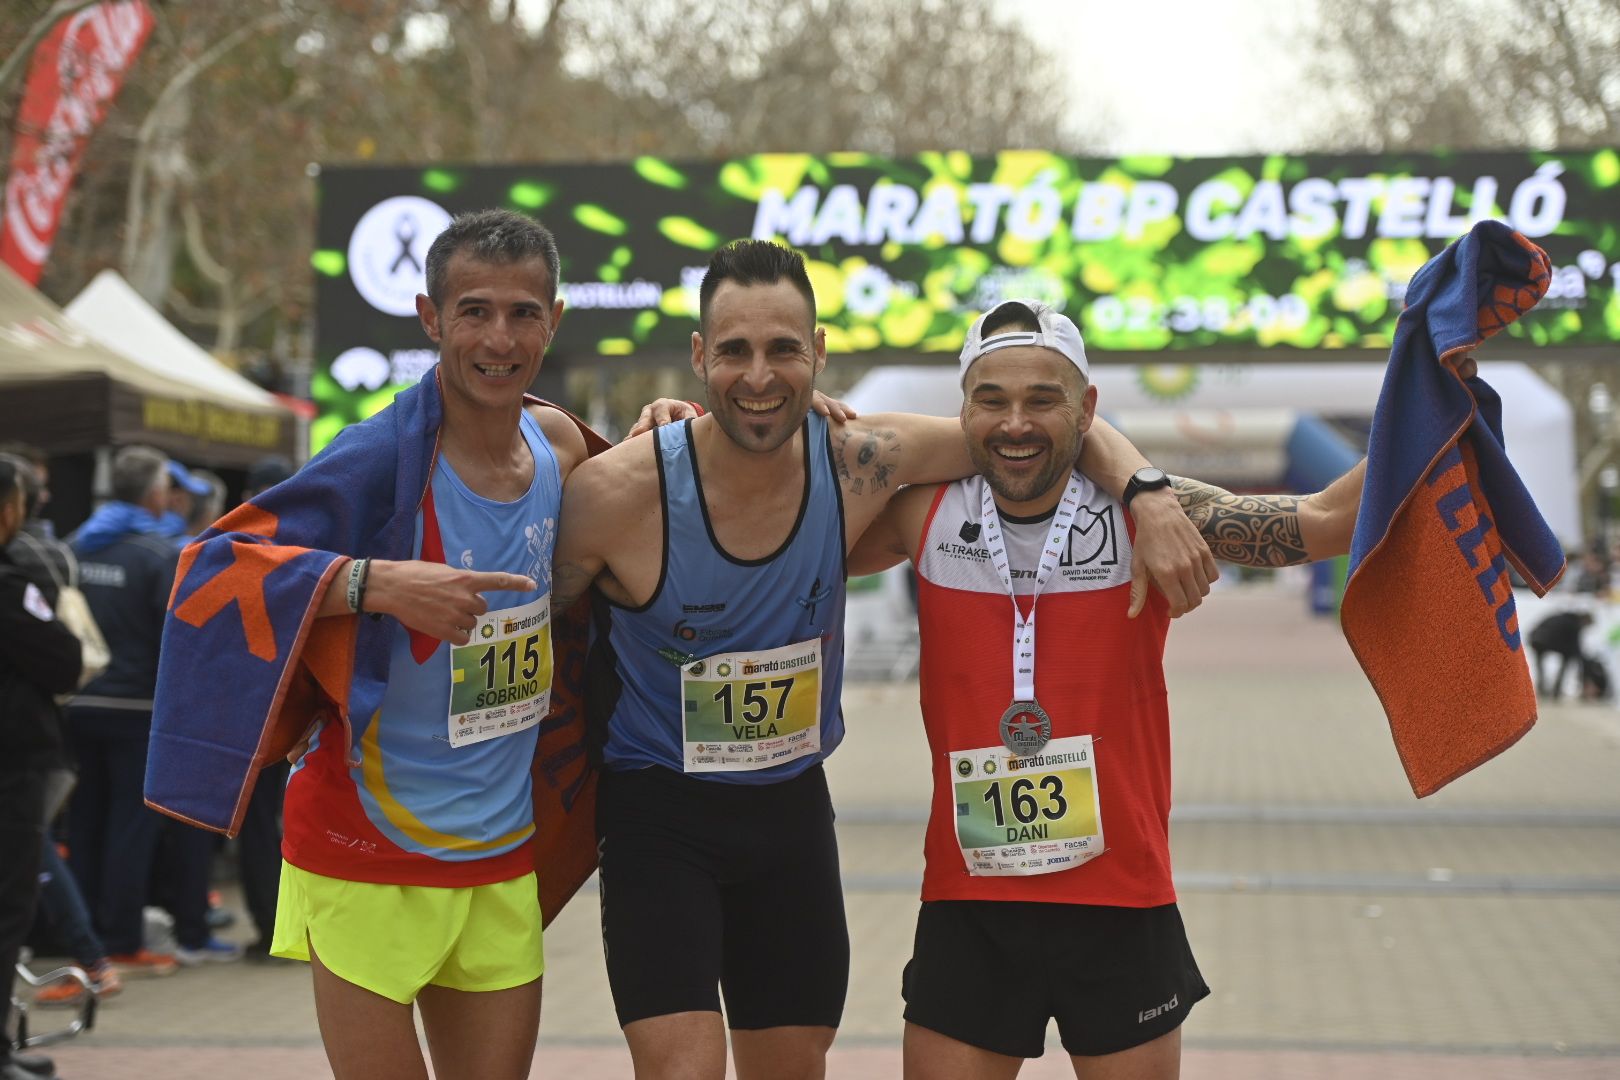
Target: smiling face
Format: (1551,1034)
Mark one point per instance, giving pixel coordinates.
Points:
(1024,414)
(492,329)
(758,360)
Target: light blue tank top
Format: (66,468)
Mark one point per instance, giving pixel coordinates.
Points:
(472,801)
(709,604)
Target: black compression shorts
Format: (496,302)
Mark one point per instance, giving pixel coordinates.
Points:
(991,974)
(707,884)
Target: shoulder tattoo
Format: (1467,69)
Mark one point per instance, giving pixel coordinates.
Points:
(866,458)
(1251,530)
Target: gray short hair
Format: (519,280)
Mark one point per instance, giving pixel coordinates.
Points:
(136,471)
(496,236)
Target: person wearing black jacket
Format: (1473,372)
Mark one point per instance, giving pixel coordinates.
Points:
(1558,636)
(39,657)
(127,561)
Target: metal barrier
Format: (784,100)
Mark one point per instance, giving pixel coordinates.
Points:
(83,1020)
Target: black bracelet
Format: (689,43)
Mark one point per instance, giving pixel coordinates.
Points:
(360,593)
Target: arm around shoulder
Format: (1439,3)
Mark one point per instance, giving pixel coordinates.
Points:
(880,453)
(892,537)
(599,502)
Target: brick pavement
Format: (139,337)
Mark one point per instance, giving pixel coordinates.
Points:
(874,1063)
(1340,944)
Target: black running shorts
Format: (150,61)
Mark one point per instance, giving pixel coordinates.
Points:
(992,973)
(708,884)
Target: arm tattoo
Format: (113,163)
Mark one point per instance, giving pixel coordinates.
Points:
(568,583)
(1251,530)
(866,458)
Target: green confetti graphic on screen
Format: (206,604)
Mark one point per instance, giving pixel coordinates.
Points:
(1150,254)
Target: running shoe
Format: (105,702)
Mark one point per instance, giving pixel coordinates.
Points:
(104,983)
(144,962)
(212,951)
(157,930)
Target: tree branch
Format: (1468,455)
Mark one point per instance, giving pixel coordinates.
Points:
(12,67)
(134,213)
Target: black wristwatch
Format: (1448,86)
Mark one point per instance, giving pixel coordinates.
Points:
(1148,479)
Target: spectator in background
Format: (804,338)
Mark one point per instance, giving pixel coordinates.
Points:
(1558,635)
(1592,576)
(37,493)
(126,569)
(258,845)
(39,658)
(206,509)
(185,492)
(185,854)
(50,563)
(35,548)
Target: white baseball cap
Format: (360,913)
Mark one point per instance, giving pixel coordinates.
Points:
(1057,332)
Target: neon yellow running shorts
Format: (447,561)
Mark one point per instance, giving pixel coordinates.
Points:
(395,939)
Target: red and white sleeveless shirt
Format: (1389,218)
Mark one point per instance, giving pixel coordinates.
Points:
(1097,673)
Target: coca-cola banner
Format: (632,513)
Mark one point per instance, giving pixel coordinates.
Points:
(73,77)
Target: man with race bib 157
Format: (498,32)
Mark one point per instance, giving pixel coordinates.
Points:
(720,545)
(1047,891)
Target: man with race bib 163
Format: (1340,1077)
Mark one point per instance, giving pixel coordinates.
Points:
(720,545)
(1047,891)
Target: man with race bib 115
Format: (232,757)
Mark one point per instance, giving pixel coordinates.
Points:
(1047,892)
(408,614)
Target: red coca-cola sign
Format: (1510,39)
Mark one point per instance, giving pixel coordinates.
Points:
(73,77)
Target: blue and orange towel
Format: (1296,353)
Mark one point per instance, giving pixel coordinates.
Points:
(1429,608)
(245,664)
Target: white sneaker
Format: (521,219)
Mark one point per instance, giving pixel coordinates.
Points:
(157,930)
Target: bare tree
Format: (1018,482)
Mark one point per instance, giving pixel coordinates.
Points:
(886,76)
(1466,74)
(196,185)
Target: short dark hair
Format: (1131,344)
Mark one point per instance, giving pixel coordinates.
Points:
(495,236)
(1009,316)
(754,262)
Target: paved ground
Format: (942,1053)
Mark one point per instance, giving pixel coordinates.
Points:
(1348,930)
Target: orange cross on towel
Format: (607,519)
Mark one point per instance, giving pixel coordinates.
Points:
(242,581)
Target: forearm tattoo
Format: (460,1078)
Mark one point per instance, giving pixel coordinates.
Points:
(866,458)
(1251,530)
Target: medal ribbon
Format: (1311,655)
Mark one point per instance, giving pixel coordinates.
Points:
(1056,537)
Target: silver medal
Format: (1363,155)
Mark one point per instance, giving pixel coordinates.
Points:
(1025,728)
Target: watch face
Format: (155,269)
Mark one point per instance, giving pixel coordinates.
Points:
(1150,477)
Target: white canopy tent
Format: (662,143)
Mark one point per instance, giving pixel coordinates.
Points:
(114,314)
(1229,423)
